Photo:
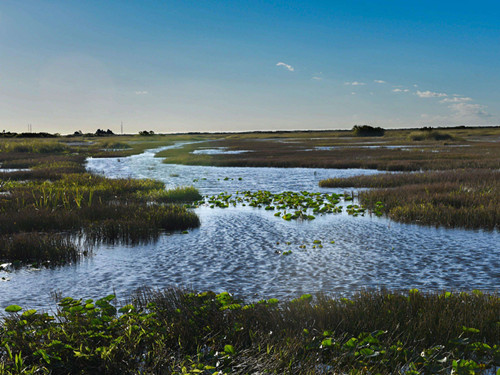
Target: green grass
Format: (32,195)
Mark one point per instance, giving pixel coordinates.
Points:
(183,194)
(176,332)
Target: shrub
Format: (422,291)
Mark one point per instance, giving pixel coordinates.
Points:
(367,131)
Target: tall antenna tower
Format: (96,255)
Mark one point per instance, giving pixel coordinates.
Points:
(122,127)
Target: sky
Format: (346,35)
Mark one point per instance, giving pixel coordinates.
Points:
(231,65)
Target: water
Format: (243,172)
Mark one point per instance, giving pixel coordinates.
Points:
(236,249)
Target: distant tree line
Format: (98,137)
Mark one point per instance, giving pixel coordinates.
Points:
(5,134)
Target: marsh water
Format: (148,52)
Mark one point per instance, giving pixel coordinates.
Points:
(240,249)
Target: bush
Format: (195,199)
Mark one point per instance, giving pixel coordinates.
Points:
(367,131)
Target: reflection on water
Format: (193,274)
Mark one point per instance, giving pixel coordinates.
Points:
(218,151)
(237,250)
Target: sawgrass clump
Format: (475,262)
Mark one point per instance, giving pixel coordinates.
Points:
(459,198)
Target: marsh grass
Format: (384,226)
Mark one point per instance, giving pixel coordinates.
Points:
(460,198)
(42,248)
(371,153)
(102,209)
(182,194)
(176,332)
(56,196)
(429,135)
(38,146)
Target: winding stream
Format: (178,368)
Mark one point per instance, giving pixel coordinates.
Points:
(236,249)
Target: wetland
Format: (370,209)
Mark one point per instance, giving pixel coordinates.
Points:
(253,217)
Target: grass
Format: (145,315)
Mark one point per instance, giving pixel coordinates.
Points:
(109,210)
(43,208)
(182,194)
(431,135)
(459,198)
(176,332)
(39,248)
(395,151)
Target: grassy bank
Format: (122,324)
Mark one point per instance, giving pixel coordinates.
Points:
(174,332)
(459,198)
(44,207)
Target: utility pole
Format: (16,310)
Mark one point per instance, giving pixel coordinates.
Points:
(122,127)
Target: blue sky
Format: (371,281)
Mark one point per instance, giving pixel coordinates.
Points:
(174,66)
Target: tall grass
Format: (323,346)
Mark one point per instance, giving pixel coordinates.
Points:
(460,198)
(56,195)
(33,146)
(39,248)
(182,194)
(178,332)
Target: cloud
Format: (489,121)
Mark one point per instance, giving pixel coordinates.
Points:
(456,99)
(401,90)
(379,81)
(318,76)
(355,83)
(469,110)
(288,67)
(141,93)
(430,94)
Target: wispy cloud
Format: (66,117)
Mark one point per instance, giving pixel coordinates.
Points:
(141,93)
(317,76)
(379,81)
(286,66)
(355,83)
(456,99)
(401,90)
(430,94)
(468,110)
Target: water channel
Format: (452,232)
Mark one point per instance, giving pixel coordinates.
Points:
(240,249)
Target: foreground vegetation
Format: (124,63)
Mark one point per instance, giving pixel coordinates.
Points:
(45,208)
(459,198)
(174,332)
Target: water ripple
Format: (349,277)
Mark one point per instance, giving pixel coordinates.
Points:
(240,250)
